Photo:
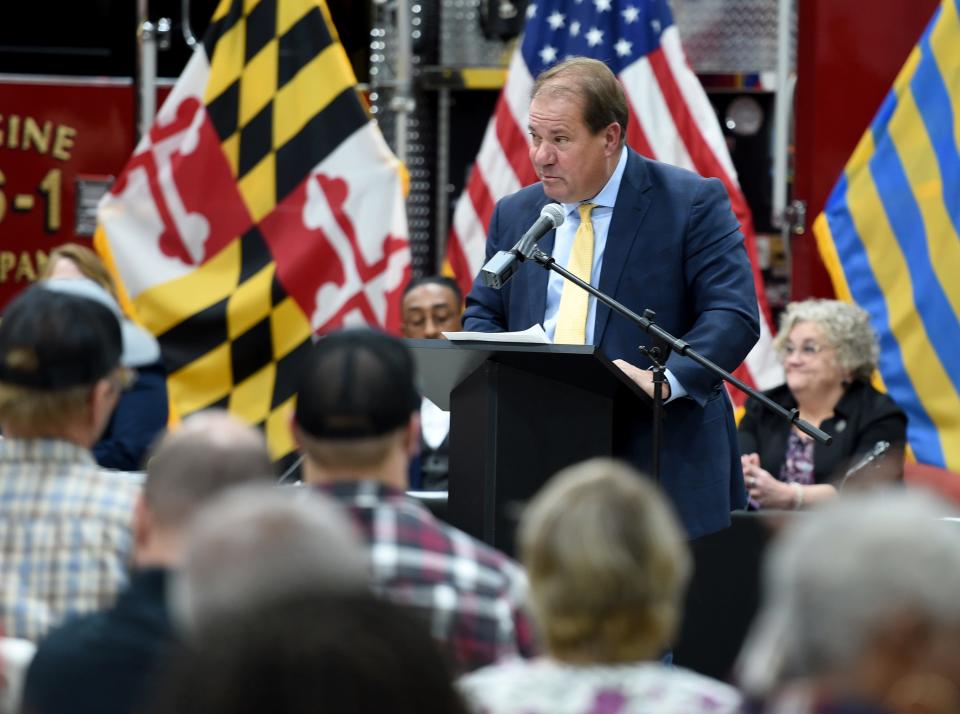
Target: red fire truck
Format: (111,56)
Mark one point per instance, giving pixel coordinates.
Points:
(69,80)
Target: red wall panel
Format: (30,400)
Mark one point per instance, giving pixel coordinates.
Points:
(848,54)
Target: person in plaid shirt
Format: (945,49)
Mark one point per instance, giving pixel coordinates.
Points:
(357,422)
(65,538)
(105,662)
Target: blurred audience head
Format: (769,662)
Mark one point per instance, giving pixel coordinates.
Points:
(357,412)
(829,328)
(255,544)
(861,601)
(311,653)
(65,354)
(431,305)
(607,562)
(208,453)
(72,260)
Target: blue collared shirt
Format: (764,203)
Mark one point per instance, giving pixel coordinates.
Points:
(563,243)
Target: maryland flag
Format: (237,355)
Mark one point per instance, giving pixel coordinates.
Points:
(263,206)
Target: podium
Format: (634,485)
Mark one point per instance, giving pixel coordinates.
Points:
(519,413)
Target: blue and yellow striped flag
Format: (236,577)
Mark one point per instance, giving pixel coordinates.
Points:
(890,238)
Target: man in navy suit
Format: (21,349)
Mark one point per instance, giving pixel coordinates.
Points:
(660,238)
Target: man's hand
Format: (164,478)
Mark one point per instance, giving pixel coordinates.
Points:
(643,378)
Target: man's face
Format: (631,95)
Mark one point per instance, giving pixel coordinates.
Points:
(572,163)
(430,309)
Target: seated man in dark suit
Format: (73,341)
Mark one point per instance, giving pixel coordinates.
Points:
(431,306)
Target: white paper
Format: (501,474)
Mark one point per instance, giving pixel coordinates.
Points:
(532,336)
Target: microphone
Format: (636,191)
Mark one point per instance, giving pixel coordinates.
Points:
(878,450)
(501,267)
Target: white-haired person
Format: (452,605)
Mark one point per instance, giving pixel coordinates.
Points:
(829,352)
(256,544)
(275,598)
(608,567)
(860,611)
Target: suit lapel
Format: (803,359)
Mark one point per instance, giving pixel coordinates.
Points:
(628,213)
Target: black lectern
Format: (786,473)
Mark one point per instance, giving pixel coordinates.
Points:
(519,413)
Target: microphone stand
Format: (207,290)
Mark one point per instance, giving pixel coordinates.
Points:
(646,323)
(659,371)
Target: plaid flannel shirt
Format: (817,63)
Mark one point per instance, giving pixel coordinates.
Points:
(65,537)
(473,595)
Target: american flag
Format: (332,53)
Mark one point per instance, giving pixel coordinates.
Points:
(671,120)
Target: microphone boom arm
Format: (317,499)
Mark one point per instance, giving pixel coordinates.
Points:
(647,325)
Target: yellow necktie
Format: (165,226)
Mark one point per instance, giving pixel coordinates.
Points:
(572,315)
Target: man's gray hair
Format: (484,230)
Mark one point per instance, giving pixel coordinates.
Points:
(208,453)
(839,574)
(257,544)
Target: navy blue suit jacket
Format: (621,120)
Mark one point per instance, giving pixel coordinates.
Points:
(674,246)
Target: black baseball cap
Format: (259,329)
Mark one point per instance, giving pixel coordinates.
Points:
(356,383)
(67,333)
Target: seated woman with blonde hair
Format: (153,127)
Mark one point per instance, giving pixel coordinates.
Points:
(141,414)
(829,353)
(608,567)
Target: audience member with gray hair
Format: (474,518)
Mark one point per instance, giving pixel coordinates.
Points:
(829,353)
(860,611)
(103,662)
(608,567)
(256,544)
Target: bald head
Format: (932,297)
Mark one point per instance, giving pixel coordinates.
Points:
(210,452)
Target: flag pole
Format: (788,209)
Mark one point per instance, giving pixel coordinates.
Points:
(402,103)
(146,69)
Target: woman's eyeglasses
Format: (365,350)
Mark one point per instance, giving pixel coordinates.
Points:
(807,349)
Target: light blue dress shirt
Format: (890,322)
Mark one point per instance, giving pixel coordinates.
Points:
(562,245)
